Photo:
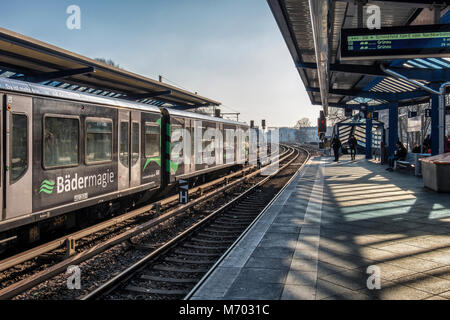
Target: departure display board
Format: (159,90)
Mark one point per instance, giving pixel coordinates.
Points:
(396,42)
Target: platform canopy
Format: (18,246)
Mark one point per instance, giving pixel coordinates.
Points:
(312,31)
(28,59)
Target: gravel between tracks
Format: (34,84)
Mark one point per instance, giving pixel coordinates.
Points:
(108,264)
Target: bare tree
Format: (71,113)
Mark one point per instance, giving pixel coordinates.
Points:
(335,115)
(413,138)
(209,110)
(108,62)
(302,123)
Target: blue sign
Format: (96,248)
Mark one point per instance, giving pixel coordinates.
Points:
(183,191)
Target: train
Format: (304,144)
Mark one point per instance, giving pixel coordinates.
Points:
(66,151)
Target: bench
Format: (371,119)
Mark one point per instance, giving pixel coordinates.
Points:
(412,161)
(409,162)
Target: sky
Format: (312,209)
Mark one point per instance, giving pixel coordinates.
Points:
(228,50)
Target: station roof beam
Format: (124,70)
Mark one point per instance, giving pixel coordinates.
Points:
(435,74)
(25,58)
(350,80)
(46,76)
(376,95)
(150,95)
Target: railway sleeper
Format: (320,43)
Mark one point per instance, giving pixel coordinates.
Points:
(250,203)
(194,246)
(232,221)
(244,219)
(145,246)
(177,260)
(240,215)
(197,254)
(169,280)
(234,218)
(181,270)
(240,207)
(221,228)
(50,257)
(251,206)
(230,224)
(211,241)
(215,236)
(156,291)
(245,207)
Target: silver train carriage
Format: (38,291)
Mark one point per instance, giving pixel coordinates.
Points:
(64,150)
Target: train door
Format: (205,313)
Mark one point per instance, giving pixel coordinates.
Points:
(198,145)
(186,146)
(219,144)
(18,161)
(190,128)
(124,149)
(235,143)
(135,163)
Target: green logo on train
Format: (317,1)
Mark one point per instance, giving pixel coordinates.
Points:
(47,187)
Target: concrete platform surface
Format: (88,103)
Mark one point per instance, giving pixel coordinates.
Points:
(347,230)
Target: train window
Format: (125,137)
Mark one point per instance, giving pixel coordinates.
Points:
(98,140)
(208,143)
(177,137)
(135,143)
(124,143)
(61,139)
(152,140)
(191,131)
(19,147)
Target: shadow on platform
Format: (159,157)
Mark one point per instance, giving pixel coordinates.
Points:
(373,217)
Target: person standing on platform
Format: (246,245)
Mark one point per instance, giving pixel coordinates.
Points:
(336,145)
(352,143)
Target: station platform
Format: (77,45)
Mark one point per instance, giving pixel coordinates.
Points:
(336,230)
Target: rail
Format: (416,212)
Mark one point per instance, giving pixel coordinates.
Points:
(129,272)
(18,287)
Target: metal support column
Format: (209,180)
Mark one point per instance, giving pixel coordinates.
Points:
(369,135)
(393,128)
(435,124)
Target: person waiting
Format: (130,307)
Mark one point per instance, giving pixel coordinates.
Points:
(336,145)
(352,143)
(399,154)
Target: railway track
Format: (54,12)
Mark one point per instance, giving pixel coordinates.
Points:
(171,271)
(64,247)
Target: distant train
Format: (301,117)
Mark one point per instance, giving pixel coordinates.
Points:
(63,151)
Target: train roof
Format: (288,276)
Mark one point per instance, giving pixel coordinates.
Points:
(41,90)
(195,115)
(47,91)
